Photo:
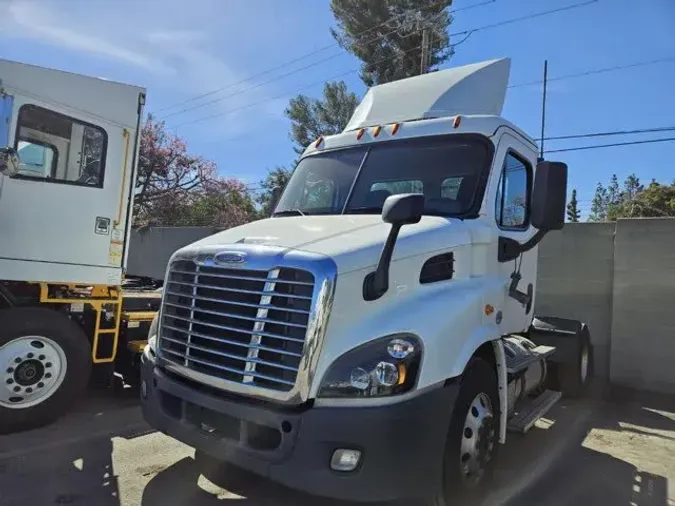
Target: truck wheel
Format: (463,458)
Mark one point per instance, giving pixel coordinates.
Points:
(472,439)
(573,376)
(45,360)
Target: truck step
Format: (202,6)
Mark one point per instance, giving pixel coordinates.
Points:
(519,363)
(529,410)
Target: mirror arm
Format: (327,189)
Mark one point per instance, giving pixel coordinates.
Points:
(510,249)
(376,283)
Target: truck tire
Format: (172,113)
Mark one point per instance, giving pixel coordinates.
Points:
(572,376)
(472,439)
(45,361)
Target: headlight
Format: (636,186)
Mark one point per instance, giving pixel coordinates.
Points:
(384,367)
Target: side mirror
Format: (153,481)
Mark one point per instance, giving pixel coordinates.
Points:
(9,161)
(399,210)
(276,195)
(549,197)
(403,209)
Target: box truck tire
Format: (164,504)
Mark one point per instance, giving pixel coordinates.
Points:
(472,439)
(45,362)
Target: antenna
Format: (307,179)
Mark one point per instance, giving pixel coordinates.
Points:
(543,113)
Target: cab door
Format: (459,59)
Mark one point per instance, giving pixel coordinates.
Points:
(64,206)
(512,183)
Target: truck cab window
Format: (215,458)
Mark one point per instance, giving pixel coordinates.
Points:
(513,193)
(57,148)
(445,170)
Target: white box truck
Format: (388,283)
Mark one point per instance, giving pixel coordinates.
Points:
(68,150)
(374,338)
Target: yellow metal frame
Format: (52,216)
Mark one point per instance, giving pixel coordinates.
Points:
(99,295)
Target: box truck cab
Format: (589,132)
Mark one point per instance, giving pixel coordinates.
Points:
(374,338)
(68,152)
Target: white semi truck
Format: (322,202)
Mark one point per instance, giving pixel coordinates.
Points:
(375,338)
(68,150)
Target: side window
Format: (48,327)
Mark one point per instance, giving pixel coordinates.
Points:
(513,194)
(57,148)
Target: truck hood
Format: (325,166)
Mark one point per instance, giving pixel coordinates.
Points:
(353,241)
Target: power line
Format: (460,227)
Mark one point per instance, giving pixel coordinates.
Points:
(598,146)
(597,71)
(317,51)
(295,71)
(610,133)
(465,32)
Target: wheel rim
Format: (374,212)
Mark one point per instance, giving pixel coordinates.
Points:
(477,439)
(584,364)
(32,369)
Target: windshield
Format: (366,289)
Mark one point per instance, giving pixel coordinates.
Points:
(446,170)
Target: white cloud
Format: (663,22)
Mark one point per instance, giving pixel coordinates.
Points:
(178,59)
(36,20)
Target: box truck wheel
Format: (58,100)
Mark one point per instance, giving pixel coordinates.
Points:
(45,361)
(472,439)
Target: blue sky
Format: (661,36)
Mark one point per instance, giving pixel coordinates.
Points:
(182,48)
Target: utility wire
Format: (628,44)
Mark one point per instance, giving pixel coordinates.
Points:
(465,32)
(607,134)
(295,71)
(598,146)
(317,51)
(597,71)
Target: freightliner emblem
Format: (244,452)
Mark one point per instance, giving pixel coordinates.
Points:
(229,257)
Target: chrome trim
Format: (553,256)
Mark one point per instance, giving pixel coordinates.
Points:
(264,258)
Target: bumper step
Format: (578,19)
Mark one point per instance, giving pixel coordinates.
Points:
(529,410)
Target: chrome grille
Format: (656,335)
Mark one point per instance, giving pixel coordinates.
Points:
(245,326)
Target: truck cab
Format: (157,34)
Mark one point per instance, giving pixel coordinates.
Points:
(375,338)
(68,152)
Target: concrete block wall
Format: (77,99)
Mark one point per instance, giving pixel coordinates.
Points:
(574,280)
(643,328)
(150,249)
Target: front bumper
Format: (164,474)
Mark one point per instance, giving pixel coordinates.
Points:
(402,444)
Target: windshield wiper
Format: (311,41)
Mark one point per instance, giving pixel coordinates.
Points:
(289,212)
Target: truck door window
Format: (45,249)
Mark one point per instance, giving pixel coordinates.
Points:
(513,193)
(60,149)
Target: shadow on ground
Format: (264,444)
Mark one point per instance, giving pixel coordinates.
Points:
(70,461)
(625,455)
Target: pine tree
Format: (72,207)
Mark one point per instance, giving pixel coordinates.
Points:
(599,204)
(573,213)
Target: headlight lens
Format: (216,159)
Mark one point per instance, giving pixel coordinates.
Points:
(384,367)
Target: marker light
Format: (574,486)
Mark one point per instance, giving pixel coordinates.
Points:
(377,130)
(318,142)
(456,121)
(360,134)
(395,128)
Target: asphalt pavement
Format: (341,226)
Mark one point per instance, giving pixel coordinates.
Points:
(599,451)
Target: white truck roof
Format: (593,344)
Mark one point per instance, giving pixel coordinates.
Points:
(73,91)
(477,89)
